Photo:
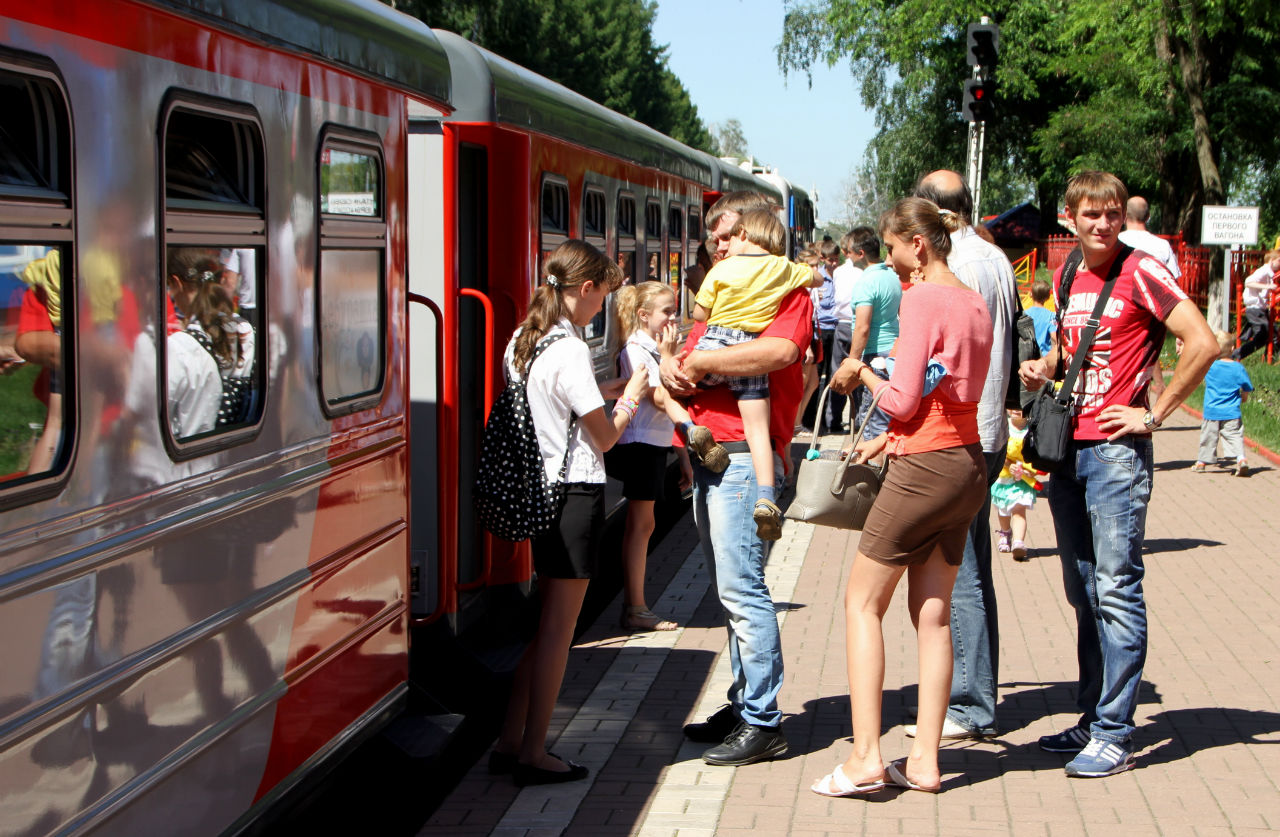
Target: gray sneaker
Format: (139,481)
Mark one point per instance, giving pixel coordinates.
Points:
(1101,758)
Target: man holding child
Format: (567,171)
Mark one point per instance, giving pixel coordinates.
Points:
(748,729)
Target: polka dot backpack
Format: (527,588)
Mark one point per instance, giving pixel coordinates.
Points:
(513,497)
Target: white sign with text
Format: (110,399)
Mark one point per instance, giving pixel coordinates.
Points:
(1229,225)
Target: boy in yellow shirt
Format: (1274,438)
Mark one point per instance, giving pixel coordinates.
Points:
(738,299)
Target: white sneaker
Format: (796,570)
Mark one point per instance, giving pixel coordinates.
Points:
(951,731)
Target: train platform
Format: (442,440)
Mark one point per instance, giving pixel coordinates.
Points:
(1209,714)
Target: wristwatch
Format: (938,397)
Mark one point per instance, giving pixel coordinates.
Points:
(1149,421)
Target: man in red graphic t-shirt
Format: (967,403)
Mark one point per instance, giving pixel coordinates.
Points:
(1099,496)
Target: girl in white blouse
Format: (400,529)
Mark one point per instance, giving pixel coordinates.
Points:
(561,384)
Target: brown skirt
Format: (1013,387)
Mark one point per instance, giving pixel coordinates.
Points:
(927,501)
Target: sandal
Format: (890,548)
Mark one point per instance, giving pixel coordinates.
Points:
(1002,542)
(897,774)
(644,619)
(837,784)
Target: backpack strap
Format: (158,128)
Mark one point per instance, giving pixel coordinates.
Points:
(547,339)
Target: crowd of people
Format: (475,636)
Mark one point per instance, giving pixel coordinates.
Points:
(929,333)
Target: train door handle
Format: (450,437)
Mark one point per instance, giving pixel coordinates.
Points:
(487,305)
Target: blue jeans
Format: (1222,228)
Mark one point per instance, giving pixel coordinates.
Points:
(1099,503)
(975,628)
(722,506)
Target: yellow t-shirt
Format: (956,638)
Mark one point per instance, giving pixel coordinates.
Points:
(745,291)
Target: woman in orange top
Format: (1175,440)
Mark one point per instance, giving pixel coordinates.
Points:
(935,485)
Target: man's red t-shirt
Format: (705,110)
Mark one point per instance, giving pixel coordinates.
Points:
(1129,338)
(717,409)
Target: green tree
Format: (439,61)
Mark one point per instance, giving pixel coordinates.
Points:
(1175,98)
(603,49)
(729,139)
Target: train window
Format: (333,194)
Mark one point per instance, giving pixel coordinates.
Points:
(212,163)
(215,248)
(593,229)
(351,286)
(653,240)
(653,221)
(593,214)
(626,217)
(555,215)
(694,229)
(675,255)
(37,305)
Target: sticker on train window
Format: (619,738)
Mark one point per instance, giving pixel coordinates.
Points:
(350,183)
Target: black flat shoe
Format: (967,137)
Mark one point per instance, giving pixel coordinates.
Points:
(526,774)
(501,764)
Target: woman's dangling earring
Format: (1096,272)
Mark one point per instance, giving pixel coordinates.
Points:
(917,273)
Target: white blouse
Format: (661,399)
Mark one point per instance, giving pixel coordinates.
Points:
(650,425)
(561,381)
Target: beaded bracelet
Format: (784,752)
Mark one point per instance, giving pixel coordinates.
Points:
(628,406)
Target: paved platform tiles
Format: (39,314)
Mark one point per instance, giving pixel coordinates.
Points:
(1208,719)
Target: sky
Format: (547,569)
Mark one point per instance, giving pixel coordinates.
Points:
(814,137)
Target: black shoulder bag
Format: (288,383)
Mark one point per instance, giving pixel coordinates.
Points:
(1049,424)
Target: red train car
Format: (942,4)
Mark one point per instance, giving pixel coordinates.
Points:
(235,452)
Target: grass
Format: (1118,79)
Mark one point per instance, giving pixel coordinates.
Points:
(1261,413)
(18,411)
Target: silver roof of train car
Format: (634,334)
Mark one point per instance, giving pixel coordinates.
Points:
(730,177)
(489,88)
(364,36)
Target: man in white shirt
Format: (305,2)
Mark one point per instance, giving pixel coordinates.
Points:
(1136,235)
(844,277)
(975,638)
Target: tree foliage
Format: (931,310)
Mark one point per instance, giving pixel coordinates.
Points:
(603,49)
(729,140)
(1179,99)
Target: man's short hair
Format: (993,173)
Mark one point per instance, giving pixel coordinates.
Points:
(1101,188)
(738,202)
(866,240)
(1040,291)
(959,201)
(1138,209)
(829,249)
(763,229)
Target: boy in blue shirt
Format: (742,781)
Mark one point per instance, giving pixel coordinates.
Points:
(1226,387)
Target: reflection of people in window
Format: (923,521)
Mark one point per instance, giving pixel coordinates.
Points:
(194,382)
(364,356)
(39,341)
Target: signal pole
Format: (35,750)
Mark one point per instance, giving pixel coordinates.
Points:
(977,134)
(979,92)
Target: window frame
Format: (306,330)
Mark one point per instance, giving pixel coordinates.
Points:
(208,225)
(48,216)
(351,232)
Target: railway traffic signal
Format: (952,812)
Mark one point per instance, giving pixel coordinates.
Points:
(983,46)
(979,96)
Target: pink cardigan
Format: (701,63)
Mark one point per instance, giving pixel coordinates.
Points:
(953,326)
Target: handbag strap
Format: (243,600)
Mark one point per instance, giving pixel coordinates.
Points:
(1091,325)
(853,435)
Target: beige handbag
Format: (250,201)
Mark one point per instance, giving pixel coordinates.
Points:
(833,491)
